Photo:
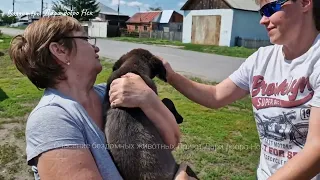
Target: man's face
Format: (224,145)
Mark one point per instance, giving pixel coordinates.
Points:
(284,24)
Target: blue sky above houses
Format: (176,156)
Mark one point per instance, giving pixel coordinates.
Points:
(128,7)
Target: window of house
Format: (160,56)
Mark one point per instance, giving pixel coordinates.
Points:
(145,28)
(136,27)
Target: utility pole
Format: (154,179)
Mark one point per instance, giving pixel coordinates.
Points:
(139,13)
(41,8)
(139,26)
(70,1)
(13,5)
(118,13)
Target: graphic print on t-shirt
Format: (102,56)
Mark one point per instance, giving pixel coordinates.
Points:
(277,128)
(282,116)
(286,88)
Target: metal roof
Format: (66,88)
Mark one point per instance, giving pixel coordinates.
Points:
(107,10)
(144,17)
(166,16)
(248,5)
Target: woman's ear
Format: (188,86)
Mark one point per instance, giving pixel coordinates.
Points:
(307,5)
(59,52)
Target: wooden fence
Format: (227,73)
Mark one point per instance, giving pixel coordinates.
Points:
(177,36)
(251,43)
(171,36)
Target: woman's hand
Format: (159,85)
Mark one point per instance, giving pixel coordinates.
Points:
(130,91)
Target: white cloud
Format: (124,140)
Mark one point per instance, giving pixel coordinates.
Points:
(134,3)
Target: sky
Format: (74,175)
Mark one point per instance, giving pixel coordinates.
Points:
(128,7)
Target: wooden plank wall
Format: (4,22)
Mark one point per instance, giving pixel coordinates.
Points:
(206,30)
(207,4)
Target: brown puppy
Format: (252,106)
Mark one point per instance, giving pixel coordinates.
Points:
(134,142)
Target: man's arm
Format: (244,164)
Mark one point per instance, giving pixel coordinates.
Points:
(68,164)
(211,96)
(306,164)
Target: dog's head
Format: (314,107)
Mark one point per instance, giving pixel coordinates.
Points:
(144,61)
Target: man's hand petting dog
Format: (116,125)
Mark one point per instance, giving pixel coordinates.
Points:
(126,92)
(169,71)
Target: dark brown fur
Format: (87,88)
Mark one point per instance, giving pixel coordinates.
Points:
(134,142)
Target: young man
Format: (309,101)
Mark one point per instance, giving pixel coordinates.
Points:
(283,81)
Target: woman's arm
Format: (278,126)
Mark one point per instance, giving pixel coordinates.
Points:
(163,119)
(50,130)
(68,164)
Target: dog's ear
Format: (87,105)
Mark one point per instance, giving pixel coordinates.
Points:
(158,69)
(170,105)
(119,63)
(116,66)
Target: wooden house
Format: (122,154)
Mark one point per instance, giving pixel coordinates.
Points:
(111,16)
(166,20)
(221,22)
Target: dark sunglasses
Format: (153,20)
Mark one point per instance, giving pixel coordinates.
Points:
(271,8)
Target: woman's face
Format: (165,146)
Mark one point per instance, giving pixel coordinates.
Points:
(84,62)
(285,24)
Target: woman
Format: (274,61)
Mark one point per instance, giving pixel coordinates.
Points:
(284,83)
(64,131)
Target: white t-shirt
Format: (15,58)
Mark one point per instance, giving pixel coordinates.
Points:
(282,92)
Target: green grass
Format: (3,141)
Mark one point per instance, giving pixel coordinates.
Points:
(218,144)
(220,50)
(5,44)
(20,27)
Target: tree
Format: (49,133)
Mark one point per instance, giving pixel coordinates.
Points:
(8,19)
(82,10)
(155,9)
(0,19)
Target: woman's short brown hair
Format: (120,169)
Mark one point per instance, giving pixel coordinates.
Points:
(316,11)
(30,51)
